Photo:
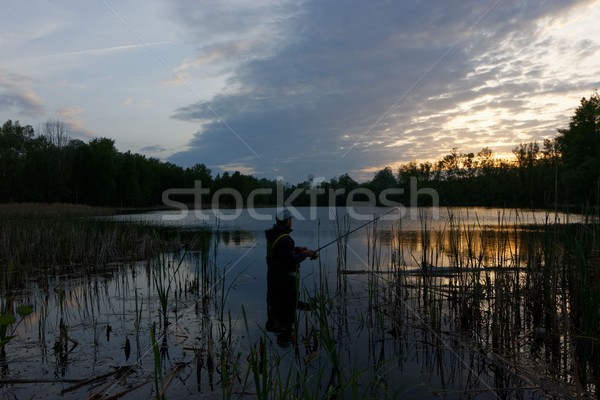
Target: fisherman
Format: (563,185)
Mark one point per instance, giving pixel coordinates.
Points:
(283,262)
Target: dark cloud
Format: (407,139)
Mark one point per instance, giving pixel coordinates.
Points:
(344,81)
(152,149)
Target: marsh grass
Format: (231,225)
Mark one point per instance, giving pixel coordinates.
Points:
(72,237)
(521,293)
(12,312)
(505,311)
(51,210)
(164,273)
(74,242)
(158,378)
(582,299)
(490,312)
(342,227)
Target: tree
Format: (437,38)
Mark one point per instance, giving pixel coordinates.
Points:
(485,161)
(346,182)
(58,165)
(14,140)
(550,164)
(129,191)
(37,180)
(407,171)
(527,155)
(199,172)
(579,146)
(448,167)
(382,180)
(100,168)
(342,185)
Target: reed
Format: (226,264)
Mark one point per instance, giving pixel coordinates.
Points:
(164,274)
(583,299)
(12,312)
(158,381)
(139,305)
(45,210)
(342,227)
(508,291)
(258,365)
(74,242)
(482,307)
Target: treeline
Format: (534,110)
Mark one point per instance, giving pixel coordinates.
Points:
(468,179)
(50,167)
(562,171)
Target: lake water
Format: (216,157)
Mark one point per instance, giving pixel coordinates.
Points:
(381,328)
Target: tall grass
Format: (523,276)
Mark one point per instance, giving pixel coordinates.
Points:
(342,227)
(11,311)
(51,210)
(582,299)
(74,242)
(79,239)
(482,312)
(489,302)
(164,274)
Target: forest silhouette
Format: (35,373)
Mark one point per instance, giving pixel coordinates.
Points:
(50,167)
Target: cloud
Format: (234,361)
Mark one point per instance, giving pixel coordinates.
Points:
(237,167)
(70,116)
(355,86)
(153,149)
(97,51)
(16,97)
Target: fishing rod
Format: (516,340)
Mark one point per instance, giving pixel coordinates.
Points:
(352,231)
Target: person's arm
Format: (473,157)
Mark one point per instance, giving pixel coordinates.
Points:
(288,253)
(306,251)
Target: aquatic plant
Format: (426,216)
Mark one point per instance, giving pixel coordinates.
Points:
(164,274)
(490,305)
(158,381)
(342,227)
(74,242)
(10,309)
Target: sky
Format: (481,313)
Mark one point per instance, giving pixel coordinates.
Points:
(292,89)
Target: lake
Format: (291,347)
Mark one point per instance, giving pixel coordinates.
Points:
(425,303)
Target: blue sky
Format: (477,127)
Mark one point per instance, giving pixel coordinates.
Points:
(296,88)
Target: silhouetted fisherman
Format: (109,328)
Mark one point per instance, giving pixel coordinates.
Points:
(283,262)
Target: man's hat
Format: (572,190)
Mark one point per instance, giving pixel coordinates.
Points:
(283,215)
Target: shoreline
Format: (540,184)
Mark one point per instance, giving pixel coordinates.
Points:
(81,210)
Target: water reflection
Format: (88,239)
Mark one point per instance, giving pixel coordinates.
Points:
(457,310)
(236,237)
